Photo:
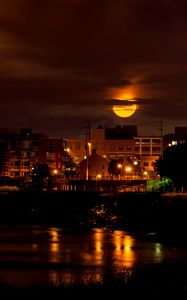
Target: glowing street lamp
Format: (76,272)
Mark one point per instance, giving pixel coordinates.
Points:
(89,148)
(119,166)
(88,153)
(128,169)
(145,173)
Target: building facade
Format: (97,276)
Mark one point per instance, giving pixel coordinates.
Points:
(135,154)
(21,151)
(148,149)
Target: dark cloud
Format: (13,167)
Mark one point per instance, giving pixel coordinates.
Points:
(63,62)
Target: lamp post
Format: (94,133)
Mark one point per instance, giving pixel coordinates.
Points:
(162,148)
(119,166)
(88,153)
(86,167)
(88,147)
(128,169)
(145,173)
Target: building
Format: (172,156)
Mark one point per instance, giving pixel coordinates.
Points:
(132,152)
(94,167)
(120,149)
(21,150)
(148,149)
(179,136)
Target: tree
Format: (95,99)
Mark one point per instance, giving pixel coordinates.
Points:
(173,165)
(113,167)
(41,177)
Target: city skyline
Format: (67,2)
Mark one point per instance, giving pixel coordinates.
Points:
(66,62)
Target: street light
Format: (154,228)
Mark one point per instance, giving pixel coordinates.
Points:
(89,148)
(88,153)
(128,169)
(98,176)
(119,166)
(145,173)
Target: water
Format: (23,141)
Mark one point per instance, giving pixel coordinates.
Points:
(36,255)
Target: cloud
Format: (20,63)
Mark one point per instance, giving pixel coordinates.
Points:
(63,62)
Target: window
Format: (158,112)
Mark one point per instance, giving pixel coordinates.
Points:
(156,141)
(146,149)
(156,149)
(145,141)
(146,163)
(35,144)
(51,147)
(121,147)
(24,154)
(26,144)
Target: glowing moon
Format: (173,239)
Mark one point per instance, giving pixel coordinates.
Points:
(124,111)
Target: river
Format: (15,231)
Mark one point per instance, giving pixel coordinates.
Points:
(40,255)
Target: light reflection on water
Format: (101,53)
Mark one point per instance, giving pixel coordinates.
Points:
(40,255)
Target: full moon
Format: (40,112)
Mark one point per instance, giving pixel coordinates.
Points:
(124,111)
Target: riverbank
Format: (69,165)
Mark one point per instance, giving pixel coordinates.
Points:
(163,216)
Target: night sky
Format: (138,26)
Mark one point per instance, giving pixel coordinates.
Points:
(64,62)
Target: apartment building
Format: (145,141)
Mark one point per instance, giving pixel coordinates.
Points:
(147,150)
(21,150)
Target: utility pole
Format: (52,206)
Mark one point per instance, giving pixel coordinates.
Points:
(161,155)
(87,146)
(161,136)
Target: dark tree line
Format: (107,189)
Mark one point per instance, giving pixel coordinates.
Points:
(173,165)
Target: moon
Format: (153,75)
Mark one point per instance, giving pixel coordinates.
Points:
(124,111)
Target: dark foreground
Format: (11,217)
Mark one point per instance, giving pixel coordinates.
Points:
(137,213)
(158,280)
(165,216)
